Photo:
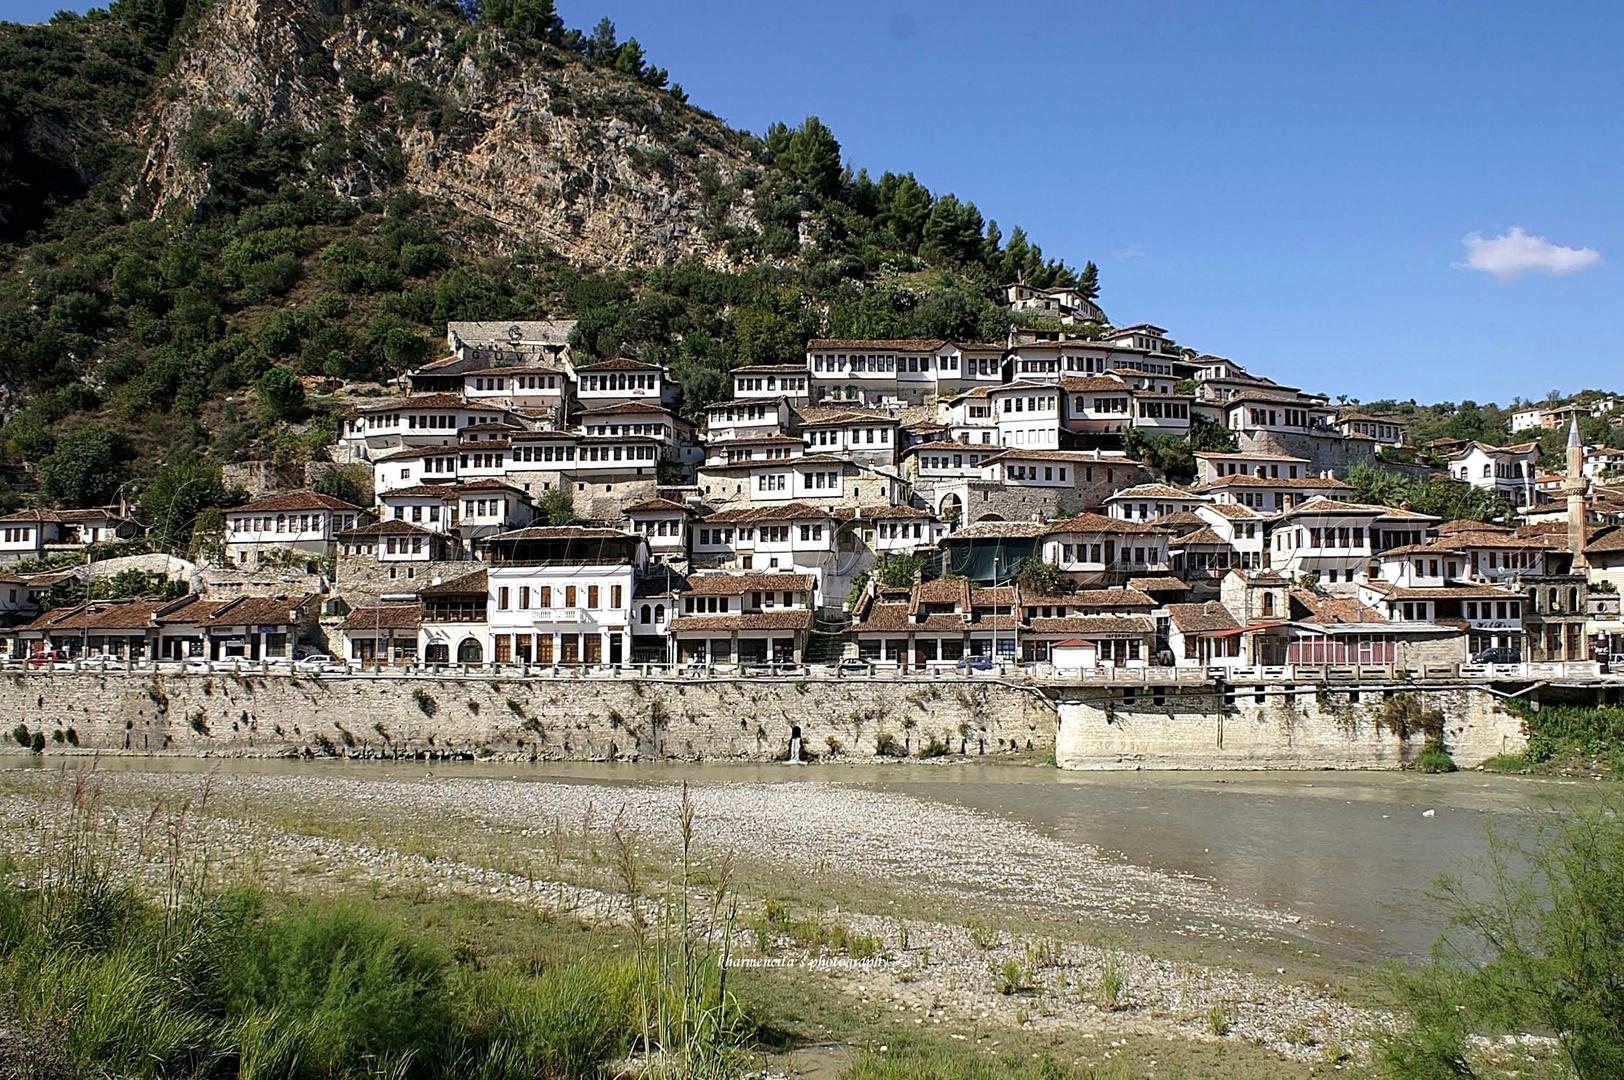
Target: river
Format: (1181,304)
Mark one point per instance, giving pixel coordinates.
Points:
(1349,851)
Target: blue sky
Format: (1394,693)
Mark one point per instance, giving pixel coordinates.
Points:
(1286,184)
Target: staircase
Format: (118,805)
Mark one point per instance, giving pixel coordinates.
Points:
(826,643)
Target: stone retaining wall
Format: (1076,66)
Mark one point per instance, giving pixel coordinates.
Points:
(1302,729)
(583,719)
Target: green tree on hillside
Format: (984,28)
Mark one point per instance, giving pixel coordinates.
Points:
(1088,282)
(812,156)
(280,394)
(85,468)
(177,493)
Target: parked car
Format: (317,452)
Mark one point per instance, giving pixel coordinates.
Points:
(317,662)
(975,663)
(853,665)
(1498,656)
(101,662)
(48,656)
(197,666)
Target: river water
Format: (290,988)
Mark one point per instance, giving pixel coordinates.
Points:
(1351,849)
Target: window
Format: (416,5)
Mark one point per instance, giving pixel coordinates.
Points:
(591,596)
(502,598)
(569,596)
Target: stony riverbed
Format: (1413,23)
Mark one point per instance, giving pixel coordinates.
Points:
(549,846)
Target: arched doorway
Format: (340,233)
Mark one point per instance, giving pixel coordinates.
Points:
(470,652)
(437,653)
(952,509)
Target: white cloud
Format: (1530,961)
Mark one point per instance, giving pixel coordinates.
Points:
(1132,251)
(1514,253)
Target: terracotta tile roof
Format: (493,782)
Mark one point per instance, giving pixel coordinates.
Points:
(1157,491)
(656,506)
(879,344)
(1069,457)
(747,515)
(384,528)
(1004,530)
(1157,584)
(1082,384)
(445,492)
(1606,541)
(429,401)
(258,611)
(293,500)
(1093,598)
(384,617)
(1183,520)
(619,363)
(783,619)
(1332,611)
(954,591)
(1328,483)
(1096,626)
(1450,591)
(825,416)
(726,584)
(629,408)
(564,532)
(1203,535)
(191,614)
(1089,522)
(1210,617)
(1234,511)
(771,369)
(880,513)
(474,584)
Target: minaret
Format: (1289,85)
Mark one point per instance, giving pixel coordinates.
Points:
(1573,485)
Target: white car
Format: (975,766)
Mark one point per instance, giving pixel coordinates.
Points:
(101,663)
(319,663)
(236,663)
(197,666)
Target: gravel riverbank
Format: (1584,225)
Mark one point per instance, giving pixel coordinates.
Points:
(545,845)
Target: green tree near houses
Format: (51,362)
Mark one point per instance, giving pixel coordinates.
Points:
(85,468)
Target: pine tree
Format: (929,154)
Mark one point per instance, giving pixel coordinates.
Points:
(813,158)
(1088,282)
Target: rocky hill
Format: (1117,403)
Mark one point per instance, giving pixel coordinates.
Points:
(222,219)
(546,151)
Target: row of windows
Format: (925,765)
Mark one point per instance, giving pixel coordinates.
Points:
(1030,472)
(657,431)
(570,594)
(620,380)
(863,436)
(520,382)
(1033,403)
(289,523)
(1347,538)
(943,461)
(788,384)
(23,535)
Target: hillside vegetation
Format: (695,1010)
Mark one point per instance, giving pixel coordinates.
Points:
(201,201)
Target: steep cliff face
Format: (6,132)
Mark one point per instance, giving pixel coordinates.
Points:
(545,149)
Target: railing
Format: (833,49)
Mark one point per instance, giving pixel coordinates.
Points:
(1009,670)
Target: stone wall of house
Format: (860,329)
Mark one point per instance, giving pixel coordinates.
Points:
(569,718)
(261,477)
(1325,453)
(175,569)
(982,499)
(216,583)
(1301,729)
(360,579)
